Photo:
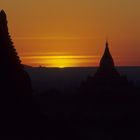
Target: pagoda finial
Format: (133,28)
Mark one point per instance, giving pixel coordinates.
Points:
(2,10)
(107,43)
(106,60)
(2,13)
(107,47)
(107,66)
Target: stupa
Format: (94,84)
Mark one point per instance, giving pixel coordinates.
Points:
(107,68)
(106,74)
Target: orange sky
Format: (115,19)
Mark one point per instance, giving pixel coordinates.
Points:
(65,33)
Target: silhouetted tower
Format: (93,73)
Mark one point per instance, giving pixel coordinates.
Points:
(107,67)
(9,57)
(106,60)
(106,76)
(13,77)
(15,85)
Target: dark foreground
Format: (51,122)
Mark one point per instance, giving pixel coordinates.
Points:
(98,115)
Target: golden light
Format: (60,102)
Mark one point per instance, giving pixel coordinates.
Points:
(61,61)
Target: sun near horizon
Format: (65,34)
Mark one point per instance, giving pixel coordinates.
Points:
(65,33)
(62,61)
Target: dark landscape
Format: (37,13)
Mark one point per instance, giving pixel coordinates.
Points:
(70,103)
(76,105)
(69,79)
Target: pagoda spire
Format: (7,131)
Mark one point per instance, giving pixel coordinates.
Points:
(106,66)
(2,14)
(12,73)
(106,77)
(107,44)
(8,55)
(107,61)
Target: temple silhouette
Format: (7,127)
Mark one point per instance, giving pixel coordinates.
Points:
(106,76)
(13,76)
(67,116)
(15,86)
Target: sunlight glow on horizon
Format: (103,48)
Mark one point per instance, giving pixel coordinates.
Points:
(61,61)
(52,28)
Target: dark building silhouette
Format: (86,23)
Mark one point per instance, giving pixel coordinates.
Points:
(110,101)
(15,86)
(106,75)
(107,67)
(12,74)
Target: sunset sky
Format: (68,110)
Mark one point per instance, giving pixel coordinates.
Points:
(70,33)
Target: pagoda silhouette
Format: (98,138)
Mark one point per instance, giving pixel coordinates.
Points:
(15,86)
(106,76)
(14,79)
(107,68)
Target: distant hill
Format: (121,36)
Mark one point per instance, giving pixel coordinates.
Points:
(69,79)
